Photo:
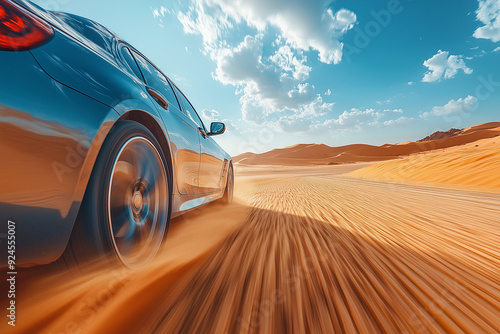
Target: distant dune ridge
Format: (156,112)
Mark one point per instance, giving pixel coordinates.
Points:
(320,154)
(466,157)
(442,134)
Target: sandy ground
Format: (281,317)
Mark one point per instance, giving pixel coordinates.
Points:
(303,250)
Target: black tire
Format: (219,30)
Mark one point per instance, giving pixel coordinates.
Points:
(126,210)
(227,198)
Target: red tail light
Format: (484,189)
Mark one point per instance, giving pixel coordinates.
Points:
(19,29)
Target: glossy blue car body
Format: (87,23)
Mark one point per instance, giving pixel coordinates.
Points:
(58,102)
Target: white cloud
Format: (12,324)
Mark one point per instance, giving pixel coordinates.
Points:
(496,49)
(210,22)
(443,65)
(208,116)
(161,12)
(401,121)
(358,119)
(328,92)
(303,120)
(267,88)
(303,25)
(287,61)
(389,100)
(314,117)
(273,90)
(410,83)
(453,107)
(489,14)
(355,116)
(391,112)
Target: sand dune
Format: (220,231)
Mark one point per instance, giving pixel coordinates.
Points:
(319,154)
(304,250)
(474,164)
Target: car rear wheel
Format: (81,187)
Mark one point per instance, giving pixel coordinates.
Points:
(126,209)
(228,193)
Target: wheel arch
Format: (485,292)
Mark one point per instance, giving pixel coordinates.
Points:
(152,125)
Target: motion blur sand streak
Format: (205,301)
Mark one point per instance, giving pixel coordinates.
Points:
(313,252)
(100,298)
(320,255)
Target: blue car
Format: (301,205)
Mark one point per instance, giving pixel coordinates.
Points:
(99,148)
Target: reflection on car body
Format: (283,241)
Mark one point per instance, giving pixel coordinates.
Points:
(80,109)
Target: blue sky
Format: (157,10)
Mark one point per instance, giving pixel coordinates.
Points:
(335,72)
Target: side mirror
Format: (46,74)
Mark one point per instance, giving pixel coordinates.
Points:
(217,128)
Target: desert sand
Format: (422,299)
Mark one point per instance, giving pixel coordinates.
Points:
(302,250)
(319,154)
(475,164)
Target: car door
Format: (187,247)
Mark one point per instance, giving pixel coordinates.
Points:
(212,156)
(211,166)
(183,132)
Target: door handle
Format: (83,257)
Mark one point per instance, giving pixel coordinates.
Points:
(156,95)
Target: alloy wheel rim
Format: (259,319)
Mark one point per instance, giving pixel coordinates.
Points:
(138,202)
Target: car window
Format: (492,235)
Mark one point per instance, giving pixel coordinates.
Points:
(188,108)
(156,79)
(129,59)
